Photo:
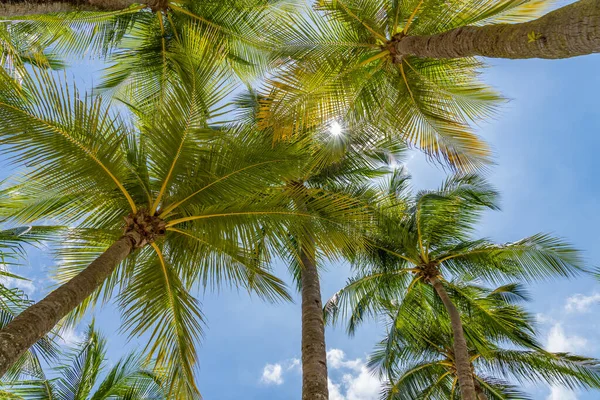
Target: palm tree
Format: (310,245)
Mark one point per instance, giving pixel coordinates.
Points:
(333,183)
(426,239)
(376,60)
(570,31)
(77,377)
(456,28)
(417,360)
(194,198)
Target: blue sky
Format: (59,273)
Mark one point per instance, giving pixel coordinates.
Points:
(546,141)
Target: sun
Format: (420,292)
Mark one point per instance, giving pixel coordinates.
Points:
(335,128)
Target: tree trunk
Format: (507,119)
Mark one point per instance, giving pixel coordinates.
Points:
(23,8)
(461,352)
(570,31)
(39,319)
(314,354)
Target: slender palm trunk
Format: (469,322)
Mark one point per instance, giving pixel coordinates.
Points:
(314,354)
(21,8)
(569,31)
(461,353)
(39,319)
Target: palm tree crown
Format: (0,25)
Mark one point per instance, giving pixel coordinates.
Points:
(416,358)
(426,240)
(340,62)
(198,196)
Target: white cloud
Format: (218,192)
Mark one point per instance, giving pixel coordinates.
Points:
(272,374)
(294,363)
(560,393)
(70,337)
(581,303)
(358,383)
(334,391)
(544,319)
(336,359)
(559,341)
(26,286)
(364,386)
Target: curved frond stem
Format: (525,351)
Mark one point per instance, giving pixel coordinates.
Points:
(401,68)
(482,382)
(184,135)
(442,377)
(415,280)
(350,13)
(161,258)
(396,19)
(87,151)
(468,253)
(172,304)
(412,371)
(454,383)
(258,44)
(173,25)
(393,253)
(438,348)
(412,16)
(173,206)
(374,58)
(186,234)
(197,217)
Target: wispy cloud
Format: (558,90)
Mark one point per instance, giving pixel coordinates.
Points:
(70,337)
(581,303)
(356,381)
(294,364)
(559,341)
(27,286)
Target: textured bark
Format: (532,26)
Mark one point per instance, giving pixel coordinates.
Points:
(461,352)
(570,31)
(314,354)
(39,319)
(22,8)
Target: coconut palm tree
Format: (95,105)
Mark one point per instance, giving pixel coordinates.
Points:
(570,31)
(354,59)
(166,201)
(426,240)
(464,29)
(417,361)
(77,376)
(334,183)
